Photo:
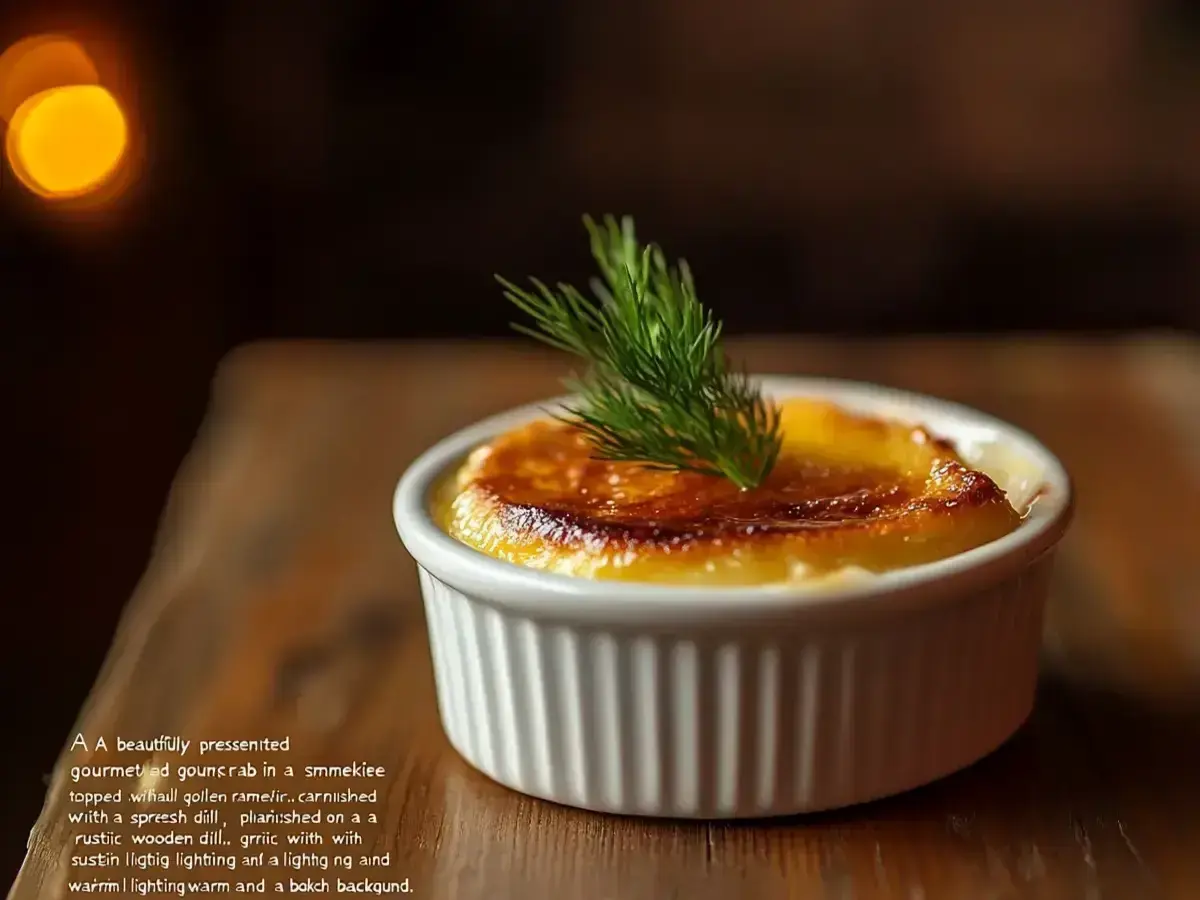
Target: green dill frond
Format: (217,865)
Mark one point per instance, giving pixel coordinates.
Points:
(660,390)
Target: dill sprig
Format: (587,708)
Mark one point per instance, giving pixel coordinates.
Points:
(660,390)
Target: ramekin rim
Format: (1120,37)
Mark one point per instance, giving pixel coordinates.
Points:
(543,593)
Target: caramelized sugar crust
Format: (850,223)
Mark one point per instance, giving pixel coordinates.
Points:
(849,491)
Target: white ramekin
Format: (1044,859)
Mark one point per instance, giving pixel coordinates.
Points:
(725,702)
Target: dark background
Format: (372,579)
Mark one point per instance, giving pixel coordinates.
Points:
(360,168)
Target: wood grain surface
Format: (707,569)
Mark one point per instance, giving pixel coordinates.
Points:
(279,601)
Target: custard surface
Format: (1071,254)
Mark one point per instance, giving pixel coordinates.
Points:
(849,492)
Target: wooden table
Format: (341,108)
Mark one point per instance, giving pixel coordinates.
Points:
(279,602)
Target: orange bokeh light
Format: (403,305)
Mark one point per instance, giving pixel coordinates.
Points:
(67,141)
(67,135)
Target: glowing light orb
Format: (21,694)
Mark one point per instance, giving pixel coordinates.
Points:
(67,141)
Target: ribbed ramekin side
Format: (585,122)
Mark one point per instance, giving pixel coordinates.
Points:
(740,722)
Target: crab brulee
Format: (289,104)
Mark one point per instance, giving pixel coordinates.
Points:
(782,594)
(848,493)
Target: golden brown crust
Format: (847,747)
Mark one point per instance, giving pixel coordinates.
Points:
(848,490)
